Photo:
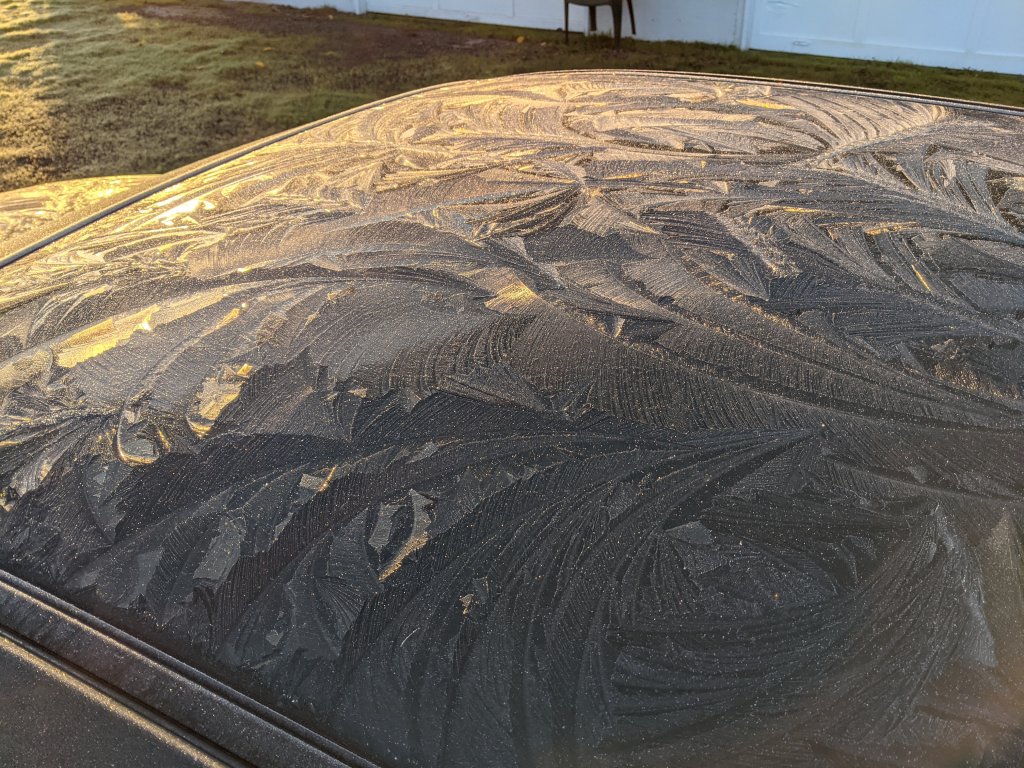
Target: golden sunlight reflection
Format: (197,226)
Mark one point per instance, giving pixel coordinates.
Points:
(129,19)
(33,210)
(182,213)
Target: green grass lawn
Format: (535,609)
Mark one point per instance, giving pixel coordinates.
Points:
(96,87)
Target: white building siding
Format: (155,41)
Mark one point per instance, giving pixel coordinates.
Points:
(977,34)
(520,13)
(983,34)
(718,21)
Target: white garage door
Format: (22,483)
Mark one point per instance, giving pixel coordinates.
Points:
(979,34)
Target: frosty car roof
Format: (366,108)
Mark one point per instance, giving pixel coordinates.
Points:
(591,418)
(15,249)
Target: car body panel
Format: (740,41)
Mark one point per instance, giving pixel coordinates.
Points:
(563,419)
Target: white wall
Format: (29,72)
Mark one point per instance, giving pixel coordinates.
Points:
(522,13)
(713,21)
(976,34)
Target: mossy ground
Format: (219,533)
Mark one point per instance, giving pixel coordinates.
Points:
(97,87)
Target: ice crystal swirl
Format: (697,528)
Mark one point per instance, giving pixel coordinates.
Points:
(580,419)
(32,210)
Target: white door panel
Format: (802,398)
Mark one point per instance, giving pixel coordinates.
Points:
(999,28)
(797,19)
(979,34)
(914,24)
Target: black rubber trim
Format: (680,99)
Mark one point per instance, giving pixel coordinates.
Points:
(190,171)
(150,679)
(44,659)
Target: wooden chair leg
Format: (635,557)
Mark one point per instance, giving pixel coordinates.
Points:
(632,16)
(567,21)
(617,22)
(593,18)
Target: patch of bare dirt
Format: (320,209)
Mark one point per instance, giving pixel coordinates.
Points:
(184,13)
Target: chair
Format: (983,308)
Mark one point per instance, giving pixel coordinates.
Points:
(616,16)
